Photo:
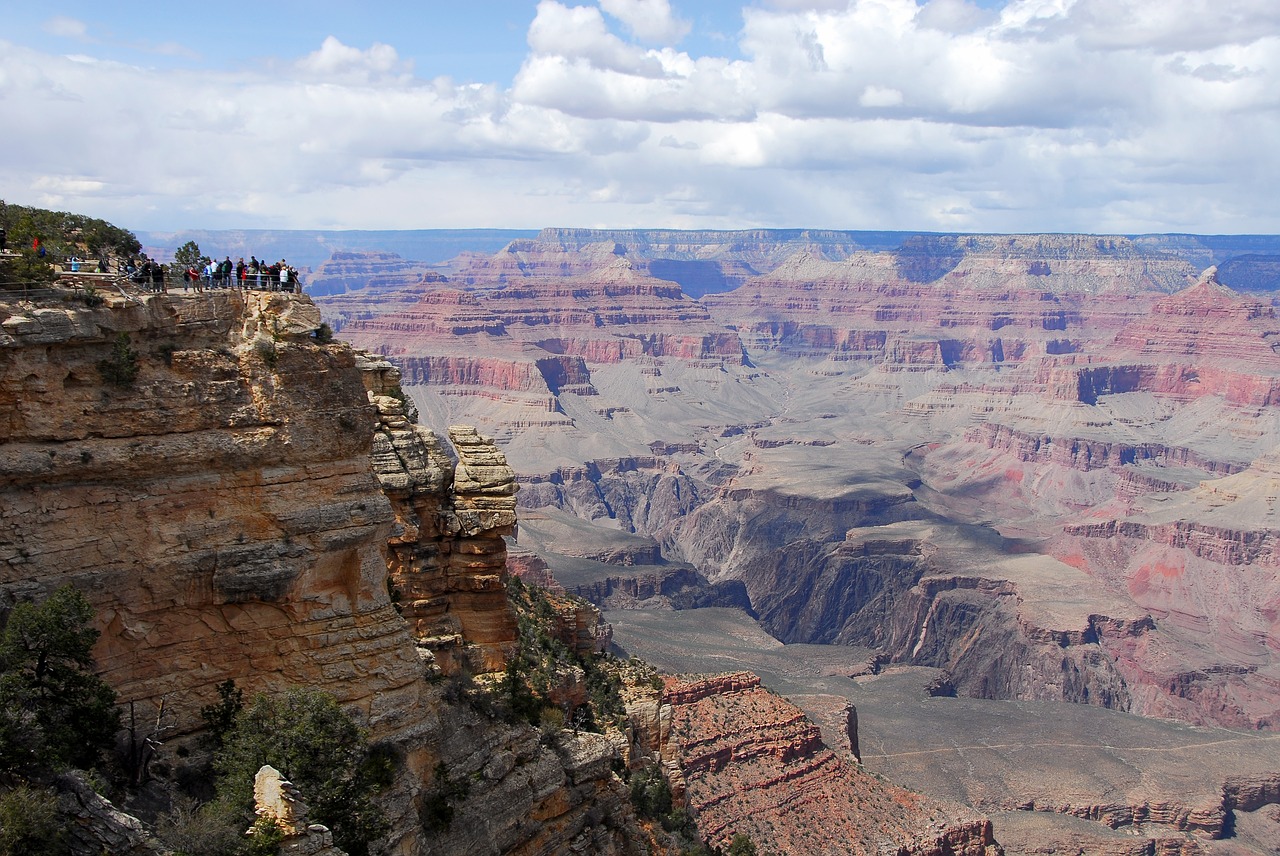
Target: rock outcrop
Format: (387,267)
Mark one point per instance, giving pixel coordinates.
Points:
(448,558)
(278,802)
(218,509)
(748,762)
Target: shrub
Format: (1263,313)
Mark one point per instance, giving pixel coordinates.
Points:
(26,271)
(220,717)
(266,349)
(313,743)
(91,297)
(650,794)
(209,830)
(29,824)
(436,811)
(121,368)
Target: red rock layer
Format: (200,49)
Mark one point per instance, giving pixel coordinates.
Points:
(752,763)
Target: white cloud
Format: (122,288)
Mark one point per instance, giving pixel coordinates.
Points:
(867,113)
(67,28)
(336,61)
(648,20)
(880,96)
(952,16)
(580,33)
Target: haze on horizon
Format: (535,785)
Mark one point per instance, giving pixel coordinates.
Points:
(948,115)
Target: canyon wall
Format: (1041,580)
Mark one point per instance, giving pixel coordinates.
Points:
(226,489)
(1032,391)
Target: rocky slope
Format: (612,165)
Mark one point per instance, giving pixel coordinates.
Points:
(748,762)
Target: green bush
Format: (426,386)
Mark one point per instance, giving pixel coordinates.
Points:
(220,717)
(266,349)
(64,233)
(28,270)
(650,794)
(314,744)
(209,830)
(29,824)
(436,809)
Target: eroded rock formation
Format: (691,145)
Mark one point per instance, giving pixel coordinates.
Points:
(746,761)
(447,558)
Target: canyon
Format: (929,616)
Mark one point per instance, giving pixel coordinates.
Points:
(242,499)
(1033,470)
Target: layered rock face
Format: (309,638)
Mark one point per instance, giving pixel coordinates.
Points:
(1048,378)
(372,272)
(448,558)
(218,510)
(746,761)
(526,341)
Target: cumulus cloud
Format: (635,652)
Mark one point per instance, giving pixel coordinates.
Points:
(648,20)
(952,16)
(336,61)
(580,33)
(1133,115)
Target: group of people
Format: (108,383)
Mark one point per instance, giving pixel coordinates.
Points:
(148,273)
(261,275)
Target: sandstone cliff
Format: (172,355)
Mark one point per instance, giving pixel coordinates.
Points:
(217,502)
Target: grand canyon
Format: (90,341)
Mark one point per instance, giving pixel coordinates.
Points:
(1021,488)
(912,544)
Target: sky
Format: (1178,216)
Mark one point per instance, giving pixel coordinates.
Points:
(1101,116)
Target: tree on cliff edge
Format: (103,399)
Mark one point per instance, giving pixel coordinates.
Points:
(188,256)
(54,712)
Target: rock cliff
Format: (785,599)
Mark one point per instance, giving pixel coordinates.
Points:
(229,494)
(218,509)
